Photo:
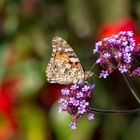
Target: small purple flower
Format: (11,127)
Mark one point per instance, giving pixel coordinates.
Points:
(81,110)
(65,103)
(118,54)
(130,33)
(105,39)
(123,39)
(118,42)
(91,86)
(129,49)
(122,68)
(73,126)
(84,104)
(131,40)
(65,91)
(136,72)
(98,44)
(95,50)
(74,101)
(125,43)
(98,60)
(122,33)
(80,94)
(90,116)
(104,74)
(75,86)
(116,36)
(127,57)
(132,43)
(111,40)
(61,100)
(85,88)
(106,55)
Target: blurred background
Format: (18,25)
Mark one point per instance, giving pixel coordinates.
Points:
(28,103)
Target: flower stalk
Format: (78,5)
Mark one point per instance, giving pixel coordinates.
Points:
(131,87)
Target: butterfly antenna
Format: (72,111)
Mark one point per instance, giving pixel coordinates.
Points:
(92,67)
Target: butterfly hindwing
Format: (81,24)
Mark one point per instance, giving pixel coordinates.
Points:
(64,66)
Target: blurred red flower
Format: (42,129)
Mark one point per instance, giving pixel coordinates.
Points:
(123,25)
(8,122)
(51,93)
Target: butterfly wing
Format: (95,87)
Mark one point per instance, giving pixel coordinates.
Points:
(64,66)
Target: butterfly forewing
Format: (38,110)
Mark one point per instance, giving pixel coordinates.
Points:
(64,66)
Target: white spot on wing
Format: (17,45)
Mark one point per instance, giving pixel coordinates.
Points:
(74,60)
(68,50)
(59,49)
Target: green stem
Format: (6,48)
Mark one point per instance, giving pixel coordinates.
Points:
(131,87)
(103,111)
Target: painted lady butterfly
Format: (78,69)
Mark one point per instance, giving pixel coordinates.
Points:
(64,66)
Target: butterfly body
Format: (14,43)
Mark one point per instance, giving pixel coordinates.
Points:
(64,66)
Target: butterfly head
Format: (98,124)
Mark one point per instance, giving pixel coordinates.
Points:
(88,74)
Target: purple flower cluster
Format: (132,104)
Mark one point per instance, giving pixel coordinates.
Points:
(118,52)
(76,101)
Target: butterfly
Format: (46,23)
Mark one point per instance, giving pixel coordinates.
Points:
(64,66)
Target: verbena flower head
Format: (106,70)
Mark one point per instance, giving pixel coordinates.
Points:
(75,100)
(118,52)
